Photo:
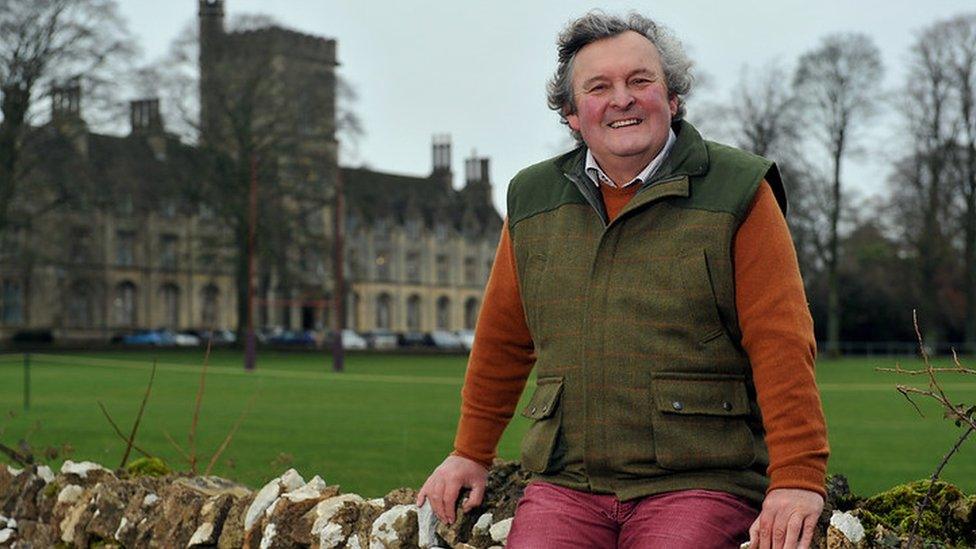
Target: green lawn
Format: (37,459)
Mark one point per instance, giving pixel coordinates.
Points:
(389,419)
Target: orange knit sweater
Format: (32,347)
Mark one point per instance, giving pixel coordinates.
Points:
(777,334)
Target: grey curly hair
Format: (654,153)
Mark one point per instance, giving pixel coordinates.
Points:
(597,25)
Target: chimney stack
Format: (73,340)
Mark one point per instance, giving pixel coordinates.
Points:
(476,169)
(441,151)
(144,115)
(66,101)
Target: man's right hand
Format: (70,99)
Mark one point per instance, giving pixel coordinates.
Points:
(444,484)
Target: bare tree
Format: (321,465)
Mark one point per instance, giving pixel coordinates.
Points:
(43,43)
(959,34)
(836,84)
(242,106)
(923,180)
(763,112)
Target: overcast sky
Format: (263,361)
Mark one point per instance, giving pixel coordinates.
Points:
(477,70)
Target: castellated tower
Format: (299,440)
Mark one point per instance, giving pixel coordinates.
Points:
(268,93)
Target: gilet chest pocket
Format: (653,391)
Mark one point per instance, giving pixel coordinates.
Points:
(700,422)
(539,443)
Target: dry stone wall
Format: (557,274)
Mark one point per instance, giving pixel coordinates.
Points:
(86,505)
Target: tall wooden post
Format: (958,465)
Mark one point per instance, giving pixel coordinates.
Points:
(338,265)
(250,344)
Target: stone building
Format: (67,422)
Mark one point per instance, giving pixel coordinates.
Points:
(418,251)
(112,237)
(104,241)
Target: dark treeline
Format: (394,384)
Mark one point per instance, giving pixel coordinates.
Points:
(868,264)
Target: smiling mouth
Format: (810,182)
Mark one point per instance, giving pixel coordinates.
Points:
(624,123)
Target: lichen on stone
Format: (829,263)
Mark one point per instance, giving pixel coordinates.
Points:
(148,467)
(897,509)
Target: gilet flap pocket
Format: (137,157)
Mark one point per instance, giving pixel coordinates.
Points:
(545,398)
(719,396)
(700,422)
(540,440)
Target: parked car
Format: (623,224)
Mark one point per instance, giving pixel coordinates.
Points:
(218,337)
(186,339)
(155,338)
(414,339)
(352,340)
(303,338)
(466,337)
(381,339)
(445,340)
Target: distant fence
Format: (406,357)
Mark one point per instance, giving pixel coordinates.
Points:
(893,348)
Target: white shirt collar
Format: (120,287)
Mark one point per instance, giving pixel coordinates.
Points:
(597,174)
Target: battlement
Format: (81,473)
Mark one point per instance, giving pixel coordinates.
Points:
(288,42)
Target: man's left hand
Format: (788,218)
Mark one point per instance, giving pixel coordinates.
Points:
(787,521)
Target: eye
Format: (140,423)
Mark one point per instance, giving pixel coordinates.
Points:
(597,88)
(640,81)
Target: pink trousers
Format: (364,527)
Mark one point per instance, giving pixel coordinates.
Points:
(553,517)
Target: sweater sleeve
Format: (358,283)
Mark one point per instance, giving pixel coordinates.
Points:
(777,334)
(499,364)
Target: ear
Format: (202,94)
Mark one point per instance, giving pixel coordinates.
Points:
(673,104)
(573,121)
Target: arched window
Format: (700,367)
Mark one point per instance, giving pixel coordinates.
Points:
(383,312)
(124,304)
(413,313)
(170,297)
(470,313)
(208,312)
(443,313)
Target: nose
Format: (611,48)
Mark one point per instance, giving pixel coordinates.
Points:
(621,98)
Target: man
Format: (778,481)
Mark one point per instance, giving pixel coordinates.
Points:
(650,279)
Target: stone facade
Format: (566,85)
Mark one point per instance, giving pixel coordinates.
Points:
(133,248)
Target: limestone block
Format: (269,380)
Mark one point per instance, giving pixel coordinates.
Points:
(838,540)
(334,520)
(400,496)
(480,532)
(313,489)
(395,528)
(18,497)
(232,534)
(499,530)
(70,494)
(290,514)
(287,482)
(426,526)
(369,511)
(76,517)
(214,486)
(211,521)
(107,503)
(45,473)
(85,473)
(177,515)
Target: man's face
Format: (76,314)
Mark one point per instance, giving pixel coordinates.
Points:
(623,110)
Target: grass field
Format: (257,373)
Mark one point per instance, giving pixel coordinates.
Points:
(389,419)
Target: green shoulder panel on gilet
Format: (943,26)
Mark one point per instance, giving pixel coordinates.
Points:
(721,178)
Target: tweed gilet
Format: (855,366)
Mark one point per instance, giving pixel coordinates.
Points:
(642,385)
